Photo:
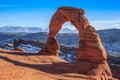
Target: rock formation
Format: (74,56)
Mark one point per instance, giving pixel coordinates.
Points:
(90,47)
(15,44)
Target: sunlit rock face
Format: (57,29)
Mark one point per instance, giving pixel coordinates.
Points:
(90,48)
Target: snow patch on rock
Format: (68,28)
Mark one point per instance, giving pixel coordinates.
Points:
(29,48)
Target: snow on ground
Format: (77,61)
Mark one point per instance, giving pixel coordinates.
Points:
(112,48)
(29,48)
(8,48)
(67,56)
(34,50)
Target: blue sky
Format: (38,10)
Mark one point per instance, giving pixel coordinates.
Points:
(102,14)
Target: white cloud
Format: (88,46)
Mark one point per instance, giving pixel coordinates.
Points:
(105,24)
(98,24)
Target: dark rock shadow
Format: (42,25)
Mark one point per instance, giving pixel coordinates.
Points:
(49,68)
(53,68)
(19,53)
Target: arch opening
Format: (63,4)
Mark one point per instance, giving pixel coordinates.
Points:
(67,27)
(68,40)
(68,34)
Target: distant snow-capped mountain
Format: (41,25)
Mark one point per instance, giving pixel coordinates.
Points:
(17,29)
(46,30)
(66,30)
(63,30)
(20,29)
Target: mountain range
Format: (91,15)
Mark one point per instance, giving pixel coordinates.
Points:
(20,29)
(110,37)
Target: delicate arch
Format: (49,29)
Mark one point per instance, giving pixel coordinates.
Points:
(90,46)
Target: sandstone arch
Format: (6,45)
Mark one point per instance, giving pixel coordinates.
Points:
(91,55)
(90,46)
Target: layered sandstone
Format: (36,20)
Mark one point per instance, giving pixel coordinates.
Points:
(91,54)
(90,46)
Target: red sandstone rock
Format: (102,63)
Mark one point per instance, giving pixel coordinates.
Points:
(91,53)
(1,48)
(90,46)
(19,49)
